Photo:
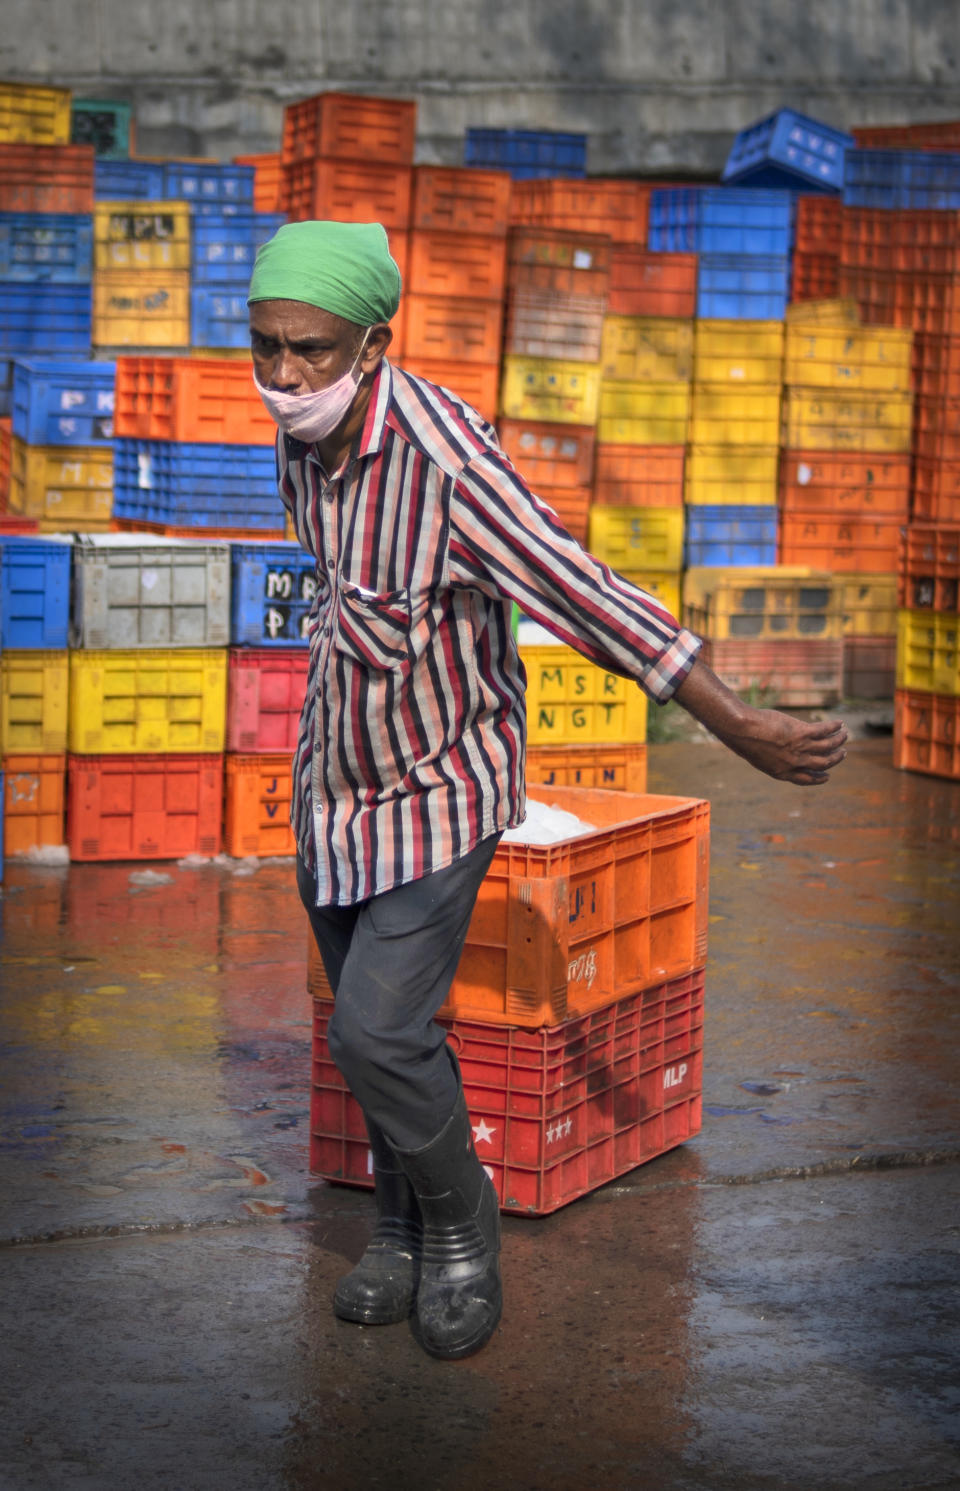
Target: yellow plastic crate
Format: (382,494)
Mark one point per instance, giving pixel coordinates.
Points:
(928,658)
(637,538)
(141,235)
(839,312)
(869,605)
(33,702)
(762,601)
(64,486)
(571,701)
(34,116)
(647,349)
(171,700)
(643,413)
(874,358)
(547,388)
(734,416)
(663,585)
(739,352)
(134,309)
(732,474)
(847,421)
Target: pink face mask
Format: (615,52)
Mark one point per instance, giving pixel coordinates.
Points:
(313,416)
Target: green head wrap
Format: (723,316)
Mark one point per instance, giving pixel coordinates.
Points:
(344,268)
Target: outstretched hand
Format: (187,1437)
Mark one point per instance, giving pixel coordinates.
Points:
(800,751)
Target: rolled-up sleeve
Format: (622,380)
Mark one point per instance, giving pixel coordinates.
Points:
(506,541)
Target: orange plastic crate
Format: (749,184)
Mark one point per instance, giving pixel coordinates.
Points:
(557,260)
(266,687)
(572,507)
(616,768)
(615,207)
(936,490)
(868,237)
(560,930)
(555,1112)
(549,455)
(936,426)
(46,178)
(854,545)
(207,400)
(350,126)
(34,789)
(815,277)
(876,294)
(267,180)
(791,672)
(638,475)
(869,667)
(927,241)
(256,818)
(929,571)
(170,530)
(5,439)
(817,226)
(936,365)
(926,733)
(476,383)
(843,484)
(551,324)
(347,191)
(460,264)
(461,199)
(649,284)
(144,806)
(450,329)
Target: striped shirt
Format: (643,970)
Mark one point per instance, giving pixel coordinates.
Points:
(411,744)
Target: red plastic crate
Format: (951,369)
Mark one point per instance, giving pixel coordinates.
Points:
(929,572)
(209,400)
(877,292)
(936,428)
(476,383)
(792,672)
(553,324)
(5,439)
(638,475)
(815,277)
(549,455)
(267,180)
(350,126)
(556,1112)
(461,199)
(936,365)
(846,545)
(347,191)
(257,796)
(562,929)
(266,687)
(649,284)
(133,525)
(616,768)
(868,237)
(926,733)
(869,667)
(46,178)
(143,806)
(33,802)
(558,260)
(927,241)
(451,329)
(456,264)
(928,303)
(817,227)
(615,208)
(826,483)
(942,135)
(936,490)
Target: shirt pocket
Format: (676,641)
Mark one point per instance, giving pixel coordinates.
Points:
(374,627)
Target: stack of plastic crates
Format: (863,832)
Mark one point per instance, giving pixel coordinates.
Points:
(527,154)
(577,1009)
(927,698)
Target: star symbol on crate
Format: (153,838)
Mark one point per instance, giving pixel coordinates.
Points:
(559,1130)
(482,1134)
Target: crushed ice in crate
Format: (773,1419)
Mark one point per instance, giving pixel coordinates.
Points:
(546,824)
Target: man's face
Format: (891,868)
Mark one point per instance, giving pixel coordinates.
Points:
(298,348)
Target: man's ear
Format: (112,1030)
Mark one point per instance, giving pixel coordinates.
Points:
(378,340)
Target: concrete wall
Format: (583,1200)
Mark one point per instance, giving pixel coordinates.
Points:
(659,86)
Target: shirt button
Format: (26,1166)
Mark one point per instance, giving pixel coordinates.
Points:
(330,564)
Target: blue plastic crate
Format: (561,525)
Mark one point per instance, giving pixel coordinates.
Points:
(3,795)
(902,179)
(223,248)
(191,485)
(272,590)
(128,181)
(721,220)
(49,318)
(34,591)
(6,387)
(63,403)
(722,534)
(210,182)
(219,316)
(788,149)
(748,288)
(40,246)
(527,153)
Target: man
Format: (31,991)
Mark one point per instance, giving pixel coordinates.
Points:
(410,762)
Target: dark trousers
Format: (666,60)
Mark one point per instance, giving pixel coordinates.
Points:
(390,961)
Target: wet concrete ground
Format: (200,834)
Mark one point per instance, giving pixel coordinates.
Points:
(775,1306)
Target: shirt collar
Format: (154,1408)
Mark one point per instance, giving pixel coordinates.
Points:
(375,423)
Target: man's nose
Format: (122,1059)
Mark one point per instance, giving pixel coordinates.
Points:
(285,374)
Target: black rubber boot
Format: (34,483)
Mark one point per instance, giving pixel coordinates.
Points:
(459,1299)
(383,1286)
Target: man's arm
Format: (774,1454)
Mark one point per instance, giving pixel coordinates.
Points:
(800,751)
